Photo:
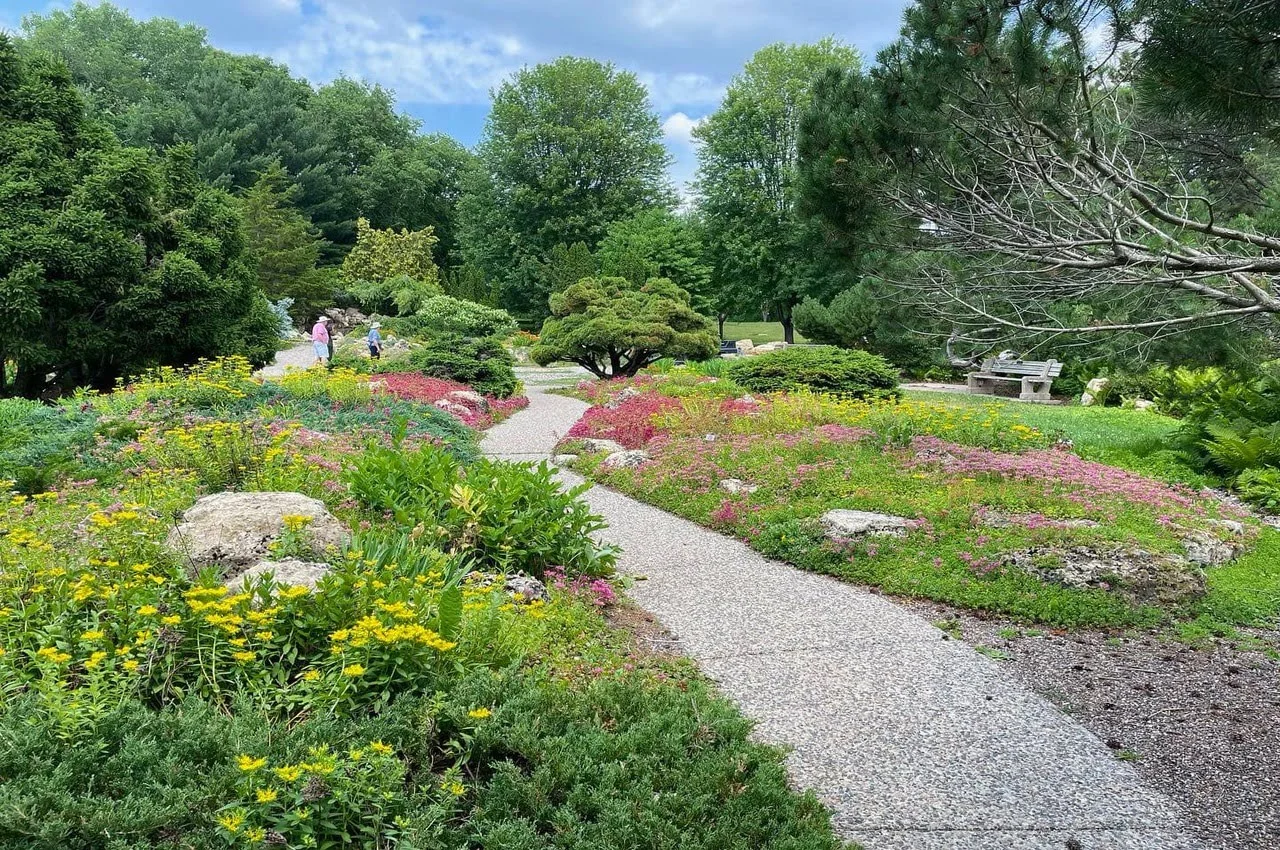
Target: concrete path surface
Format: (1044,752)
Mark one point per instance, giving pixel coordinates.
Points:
(914,741)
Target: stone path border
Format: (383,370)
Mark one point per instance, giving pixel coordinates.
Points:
(914,741)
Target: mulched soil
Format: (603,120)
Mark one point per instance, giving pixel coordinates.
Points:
(1202,725)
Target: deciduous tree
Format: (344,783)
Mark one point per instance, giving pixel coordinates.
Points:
(570,146)
(747,191)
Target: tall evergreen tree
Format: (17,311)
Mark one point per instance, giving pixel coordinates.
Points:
(283,244)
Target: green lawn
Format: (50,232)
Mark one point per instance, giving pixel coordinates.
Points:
(1131,439)
(758,332)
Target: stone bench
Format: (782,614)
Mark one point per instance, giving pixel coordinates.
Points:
(1035,376)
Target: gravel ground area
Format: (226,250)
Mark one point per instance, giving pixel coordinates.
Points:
(300,356)
(913,739)
(1201,724)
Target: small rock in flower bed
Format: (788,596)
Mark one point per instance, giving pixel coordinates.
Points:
(622,397)
(627,459)
(563,459)
(469,398)
(289,571)
(844,525)
(1209,549)
(526,588)
(737,485)
(596,445)
(237,529)
(459,410)
(1142,577)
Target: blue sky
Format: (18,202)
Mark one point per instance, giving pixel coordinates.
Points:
(442,58)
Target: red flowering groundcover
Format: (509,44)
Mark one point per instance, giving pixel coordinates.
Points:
(413,386)
(630,423)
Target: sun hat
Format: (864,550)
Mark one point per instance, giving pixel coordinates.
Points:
(376,325)
(323,319)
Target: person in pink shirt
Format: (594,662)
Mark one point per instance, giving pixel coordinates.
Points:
(320,340)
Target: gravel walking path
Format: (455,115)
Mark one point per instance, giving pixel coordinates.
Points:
(915,741)
(299,356)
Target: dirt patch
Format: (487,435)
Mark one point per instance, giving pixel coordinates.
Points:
(649,637)
(1201,725)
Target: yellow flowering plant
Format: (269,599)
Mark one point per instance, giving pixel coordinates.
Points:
(341,385)
(326,799)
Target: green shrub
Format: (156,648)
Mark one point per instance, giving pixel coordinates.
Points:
(504,516)
(445,314)
(669,767)
(37,442)
(137,779)
(824,369)
(482,363)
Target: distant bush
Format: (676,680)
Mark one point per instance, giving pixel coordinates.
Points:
(445,314)
(823,369)
(483,364)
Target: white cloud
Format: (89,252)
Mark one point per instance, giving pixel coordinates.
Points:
(421,62)
(667,90)
(678,128)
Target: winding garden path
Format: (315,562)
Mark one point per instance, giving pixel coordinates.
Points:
(914,741)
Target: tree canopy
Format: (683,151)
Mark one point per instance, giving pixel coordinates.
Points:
(392,270)
(765,254)
(613,327)
(112,258)
(570,146)
(158,83)
(1012,141)
(656,243)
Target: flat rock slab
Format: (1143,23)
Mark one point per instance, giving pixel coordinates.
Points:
(914,741)
(843,524)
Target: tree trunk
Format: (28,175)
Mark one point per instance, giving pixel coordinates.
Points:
(788,329)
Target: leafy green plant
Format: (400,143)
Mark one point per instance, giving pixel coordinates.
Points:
(1261,487)
(482,363)
(446,314)
(505,516)
(825,369)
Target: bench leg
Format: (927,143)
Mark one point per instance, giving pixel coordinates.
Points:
(977,386)
(1036,389)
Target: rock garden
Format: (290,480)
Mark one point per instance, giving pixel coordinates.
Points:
(1083,575)
(305,614)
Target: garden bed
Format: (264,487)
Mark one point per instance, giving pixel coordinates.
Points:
(415,695)
(1004,516)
